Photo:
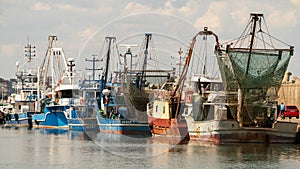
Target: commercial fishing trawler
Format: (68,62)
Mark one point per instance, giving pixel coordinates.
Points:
(243,110)
(113,114)
(52,113)
(24,102)
(166,107)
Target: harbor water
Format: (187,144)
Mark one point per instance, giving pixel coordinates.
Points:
(45,148)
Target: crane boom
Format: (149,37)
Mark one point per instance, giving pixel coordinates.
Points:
(189,55)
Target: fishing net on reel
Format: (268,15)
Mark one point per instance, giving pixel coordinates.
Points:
(256,69)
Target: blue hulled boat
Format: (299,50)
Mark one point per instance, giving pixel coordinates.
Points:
(52,117)
(55,71)
(114,117)
(83,116)
(113,114)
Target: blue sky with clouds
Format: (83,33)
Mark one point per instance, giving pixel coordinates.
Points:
(74,21)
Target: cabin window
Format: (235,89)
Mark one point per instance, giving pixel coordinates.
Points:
(164,109)
(66,93)
(70,94)
(156,107)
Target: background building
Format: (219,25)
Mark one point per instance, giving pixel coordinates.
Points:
(6,88)
(289,93)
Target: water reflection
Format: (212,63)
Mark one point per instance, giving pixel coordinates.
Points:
(123,145)
(44,148)
(52,131)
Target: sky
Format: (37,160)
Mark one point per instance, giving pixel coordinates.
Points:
(80,24)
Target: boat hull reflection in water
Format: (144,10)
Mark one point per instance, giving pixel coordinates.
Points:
(56,148)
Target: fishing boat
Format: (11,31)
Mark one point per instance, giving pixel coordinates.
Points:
(244,109)
(52,114)
(72,92)
(82,116)
(165,110)
(164,114)
(144,77)
(66,107)
(113,114)
(23,103)
(209,119)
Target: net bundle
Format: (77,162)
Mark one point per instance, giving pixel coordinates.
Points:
(251,71)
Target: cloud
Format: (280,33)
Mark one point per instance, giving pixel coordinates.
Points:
(80,19)
(214,16)
(213,22)
(87,32)
(68,7)
(283,18)
(168,8)
(8,50)
(136,7)
(190,9)
(241,15)
(225,17)
(40,7)
(295,2)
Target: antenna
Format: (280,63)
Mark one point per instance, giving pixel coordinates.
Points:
(94,60)
(71,64)
(29,51)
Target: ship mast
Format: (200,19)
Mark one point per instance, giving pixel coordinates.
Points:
(148,37)
(29,51)
(52,66)
(241,98)
(71,64)
(255,18)
(94,60)
(109,41)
